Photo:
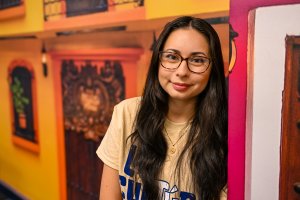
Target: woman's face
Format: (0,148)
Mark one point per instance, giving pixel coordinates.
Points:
(182,84)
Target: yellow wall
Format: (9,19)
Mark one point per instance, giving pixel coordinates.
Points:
(32,21)
(167,8)
(33,175)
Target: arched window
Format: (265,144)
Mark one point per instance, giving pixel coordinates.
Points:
(23,105)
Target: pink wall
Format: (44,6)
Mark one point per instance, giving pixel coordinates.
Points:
(237,93)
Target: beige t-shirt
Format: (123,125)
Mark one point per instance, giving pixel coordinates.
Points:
(115,152)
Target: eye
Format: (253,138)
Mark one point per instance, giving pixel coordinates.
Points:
(198,60)
(170,57)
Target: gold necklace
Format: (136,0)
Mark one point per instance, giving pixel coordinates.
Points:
(181,134)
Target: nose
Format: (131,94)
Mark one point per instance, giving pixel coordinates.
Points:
(183,69)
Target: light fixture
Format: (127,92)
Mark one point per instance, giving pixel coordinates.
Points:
(44,61)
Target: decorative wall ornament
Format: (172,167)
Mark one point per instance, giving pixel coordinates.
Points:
(90,91)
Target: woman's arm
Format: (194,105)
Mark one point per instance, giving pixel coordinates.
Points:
(110,187)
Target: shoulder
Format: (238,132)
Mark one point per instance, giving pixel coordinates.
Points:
(128,108)
(131,104)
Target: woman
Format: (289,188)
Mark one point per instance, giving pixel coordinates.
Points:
(172,141)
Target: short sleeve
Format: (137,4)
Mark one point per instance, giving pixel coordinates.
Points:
(109,149)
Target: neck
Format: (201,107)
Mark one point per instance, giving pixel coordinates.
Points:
(181,111)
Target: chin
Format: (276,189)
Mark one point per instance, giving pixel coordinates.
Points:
(181,97)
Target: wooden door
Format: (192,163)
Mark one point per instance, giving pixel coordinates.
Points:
(89,90)
(290,145)
(88,84)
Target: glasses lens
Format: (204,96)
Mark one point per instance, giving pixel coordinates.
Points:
(198,64)
(170,60)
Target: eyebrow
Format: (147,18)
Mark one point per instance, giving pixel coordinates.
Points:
(178,52)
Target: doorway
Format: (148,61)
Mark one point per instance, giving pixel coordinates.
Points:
(290,148)
(88,84)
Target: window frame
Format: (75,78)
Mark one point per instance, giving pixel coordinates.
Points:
(20,141)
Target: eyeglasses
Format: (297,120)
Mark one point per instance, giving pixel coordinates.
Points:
(195,63)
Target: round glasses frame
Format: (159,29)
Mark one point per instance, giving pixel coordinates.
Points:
(182,59)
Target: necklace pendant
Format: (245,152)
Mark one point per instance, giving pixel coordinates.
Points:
(172,150)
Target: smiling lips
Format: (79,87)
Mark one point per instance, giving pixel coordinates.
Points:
(180,86)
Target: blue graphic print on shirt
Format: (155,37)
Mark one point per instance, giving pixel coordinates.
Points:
(138,194)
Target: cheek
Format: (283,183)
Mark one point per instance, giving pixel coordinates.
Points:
(161,75)
(207,80)
(204,81)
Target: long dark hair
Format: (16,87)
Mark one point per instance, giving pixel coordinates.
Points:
(207,139)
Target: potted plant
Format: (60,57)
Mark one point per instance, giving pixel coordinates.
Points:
(19,101)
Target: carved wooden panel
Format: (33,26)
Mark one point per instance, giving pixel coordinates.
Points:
(89,95)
